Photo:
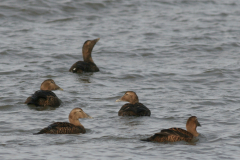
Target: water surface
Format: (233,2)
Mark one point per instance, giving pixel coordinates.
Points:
(181,58)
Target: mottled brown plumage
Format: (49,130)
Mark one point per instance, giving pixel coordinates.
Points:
(62,128)
(177,134)
(74,127)
(134,108)
(45,97)
(87,65)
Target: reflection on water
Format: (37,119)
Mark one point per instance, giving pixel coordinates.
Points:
(131,121)
(41,108)
(85,78)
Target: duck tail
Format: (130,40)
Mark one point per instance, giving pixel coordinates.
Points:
(41,132)
(35,133)
(38,133)
(146,140)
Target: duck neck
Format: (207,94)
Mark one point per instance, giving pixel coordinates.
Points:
(135,100)
(89,60)
(87,56)
(193,131)
(75,122)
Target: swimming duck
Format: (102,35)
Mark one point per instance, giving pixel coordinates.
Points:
(74,127)
(178,134)
(133,108)
(87,65)
(44,96)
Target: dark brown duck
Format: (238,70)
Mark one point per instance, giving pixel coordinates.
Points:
(44,96)
(133,108)
(74,127)
(177,134)
(87,65)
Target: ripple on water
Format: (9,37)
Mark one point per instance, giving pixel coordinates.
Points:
(181,58)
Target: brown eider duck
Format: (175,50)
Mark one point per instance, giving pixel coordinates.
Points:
(44,96)
(87,65)
(177,134)
(74,127)
(134,108)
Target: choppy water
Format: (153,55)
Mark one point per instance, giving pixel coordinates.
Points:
(181,57)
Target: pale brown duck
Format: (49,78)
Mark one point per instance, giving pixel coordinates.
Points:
(74,127)
(177,134)
(44,96)
(133,108)
(87,65)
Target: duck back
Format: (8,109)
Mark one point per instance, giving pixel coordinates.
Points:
(171,135)
(44,98)
(82,66)
(62,128)
(137,109)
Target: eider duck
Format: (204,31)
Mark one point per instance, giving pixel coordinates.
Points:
(134,108)
(74,127)
(87,65)
(44,96)
(177,134)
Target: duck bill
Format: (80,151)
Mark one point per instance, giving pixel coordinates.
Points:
(96,40)
(198,124)
(93,42)
(119,100)
(59,88)
(88,116)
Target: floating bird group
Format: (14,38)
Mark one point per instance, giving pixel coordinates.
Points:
(45,97)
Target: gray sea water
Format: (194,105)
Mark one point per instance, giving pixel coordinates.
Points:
(182,58)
